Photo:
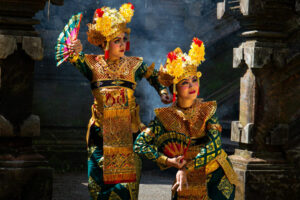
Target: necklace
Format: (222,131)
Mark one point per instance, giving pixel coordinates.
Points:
(189,112)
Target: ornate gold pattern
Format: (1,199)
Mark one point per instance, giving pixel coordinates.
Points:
(94,188)
(217,127)
(103,70)
(225,187)
(162,160)
(150,70)
(105,97)
(191,121)
(196,189)
(91,151)
(228,170)
(114,196)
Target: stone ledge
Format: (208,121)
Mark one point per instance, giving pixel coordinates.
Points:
(31,45)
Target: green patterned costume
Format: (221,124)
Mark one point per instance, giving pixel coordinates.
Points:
(114,122)
(209,172)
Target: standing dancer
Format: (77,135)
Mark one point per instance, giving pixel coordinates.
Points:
(113,168)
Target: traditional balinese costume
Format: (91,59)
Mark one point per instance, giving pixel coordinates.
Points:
(113,168)
(209,172)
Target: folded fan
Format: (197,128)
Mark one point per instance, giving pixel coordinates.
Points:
(173,144)
(69,34)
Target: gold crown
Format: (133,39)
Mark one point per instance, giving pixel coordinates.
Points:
(108,23)
(181,65)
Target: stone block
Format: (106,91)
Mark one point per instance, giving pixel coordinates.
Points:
(30,126)
(249,7)
(246,136)
(261,179)
(257,57)
(220,10)
(241,134)
(33,47)
(6,128)
(8,45)
(235,131)
(247,98)
(238,57)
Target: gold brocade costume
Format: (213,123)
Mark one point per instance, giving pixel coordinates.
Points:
(204,155)
(115,111)
(116,97)
(113,168)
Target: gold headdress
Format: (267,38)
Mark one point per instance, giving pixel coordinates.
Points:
(108,23)
(181,65)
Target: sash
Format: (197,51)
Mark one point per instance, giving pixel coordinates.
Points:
(118,165)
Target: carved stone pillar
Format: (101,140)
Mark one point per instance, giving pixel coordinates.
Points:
(25,175)
(269,97)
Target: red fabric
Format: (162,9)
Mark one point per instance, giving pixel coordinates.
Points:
(128,46)
(106,55)
(174,97)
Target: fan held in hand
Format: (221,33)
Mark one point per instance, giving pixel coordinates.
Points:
(65,38)
(173,144)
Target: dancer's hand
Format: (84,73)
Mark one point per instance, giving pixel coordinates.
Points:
(177,162)
(166,98)
(181,181)
(76,46)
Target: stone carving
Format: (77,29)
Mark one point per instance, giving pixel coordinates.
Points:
(8,45)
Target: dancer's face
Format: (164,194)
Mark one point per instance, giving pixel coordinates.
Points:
(117,46)
(187,89)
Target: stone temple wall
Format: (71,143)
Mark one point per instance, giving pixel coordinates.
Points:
(62,96)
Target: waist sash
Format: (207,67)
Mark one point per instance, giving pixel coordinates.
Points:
(108,83)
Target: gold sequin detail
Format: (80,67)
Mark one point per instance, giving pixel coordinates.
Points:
(191,121)
(225,187)
(94,188)
(124,69)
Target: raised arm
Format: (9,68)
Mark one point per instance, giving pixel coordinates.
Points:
(77,59)
(152,77)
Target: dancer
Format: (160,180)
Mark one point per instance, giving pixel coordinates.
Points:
(113,168)
(186,135)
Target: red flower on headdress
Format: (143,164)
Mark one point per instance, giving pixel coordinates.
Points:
(132,6)
(197,41)
(99,12)
(183,59)
(172,56)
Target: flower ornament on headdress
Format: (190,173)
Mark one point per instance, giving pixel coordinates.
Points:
(180,65)
(108,23)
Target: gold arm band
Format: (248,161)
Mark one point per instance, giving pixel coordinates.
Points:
(163,91)
(215,126)
(150,70)
(162,160)
(74,59)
